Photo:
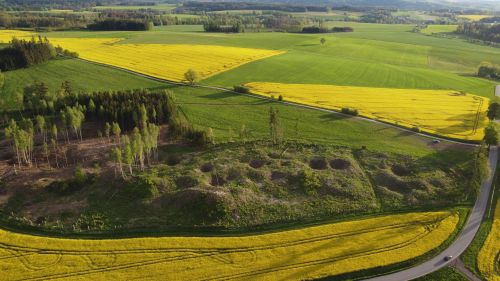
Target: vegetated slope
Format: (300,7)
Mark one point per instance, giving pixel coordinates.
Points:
(81,75)
(292,255)
(489,256)
(231,186)
(447,113)
(225,113)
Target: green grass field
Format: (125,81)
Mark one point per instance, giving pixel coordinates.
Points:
(375,55)
(82,76)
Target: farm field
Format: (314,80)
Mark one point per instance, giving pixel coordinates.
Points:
(431,29)
(298,254)
(167,61)
(81,75)
(440,112)
(489,256)
(474,17)
(159,7)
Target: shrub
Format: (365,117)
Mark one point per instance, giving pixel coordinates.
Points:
(241,89)
(350,111)
(142,187)
(416,129)
(280,98)
(310,182)
(186,181)
(90,222)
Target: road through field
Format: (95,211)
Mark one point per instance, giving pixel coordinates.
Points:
(169,82)
(461,243)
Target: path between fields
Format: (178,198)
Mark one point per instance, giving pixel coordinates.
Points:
(464,239)
(284,102)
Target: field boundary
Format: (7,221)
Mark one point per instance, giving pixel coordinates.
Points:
(174,83)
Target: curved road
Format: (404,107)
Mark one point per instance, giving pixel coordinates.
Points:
(463,240)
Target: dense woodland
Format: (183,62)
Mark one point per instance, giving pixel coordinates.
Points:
(24,53)
(120,25)
(481,31)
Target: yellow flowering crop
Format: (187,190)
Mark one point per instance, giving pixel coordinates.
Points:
(442,112)
(7,35)
(168,61)
(474,17)
(299,254)
(489,256)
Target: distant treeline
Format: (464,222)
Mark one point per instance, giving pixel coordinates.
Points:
(121,25)
(481,31)
(25,53)
(44,20)
(222,6)
(215,27)
(317,29)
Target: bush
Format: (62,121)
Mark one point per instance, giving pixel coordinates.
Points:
(350,111)
(416,129)
(90,222)
(342,29)
(241,89)
(310,182)
(280,98)
(142,187)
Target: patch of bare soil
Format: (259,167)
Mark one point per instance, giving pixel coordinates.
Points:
(318,164)
(340,164)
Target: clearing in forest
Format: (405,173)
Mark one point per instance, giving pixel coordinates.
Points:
(299,254)
(442,112)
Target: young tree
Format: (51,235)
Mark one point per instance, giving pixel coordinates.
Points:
(54,147)
(275,129)
(191,76)
(117,157)
(40,125)
(128,154)
(46,152)
(322,41)
(210,136)
(107,130)
(491,134)
(143,117)
(116,131)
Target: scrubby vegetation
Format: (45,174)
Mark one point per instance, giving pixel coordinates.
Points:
(237,185)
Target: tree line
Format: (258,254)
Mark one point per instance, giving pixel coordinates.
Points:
(24,53)
(120,25)
(481,31)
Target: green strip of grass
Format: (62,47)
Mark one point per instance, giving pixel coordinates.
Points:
(82,76)
(447,273)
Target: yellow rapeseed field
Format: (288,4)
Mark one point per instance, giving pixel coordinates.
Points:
(474,17)
(167,61)
(442,112)
(289,255)
(7,35)
(489,256)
